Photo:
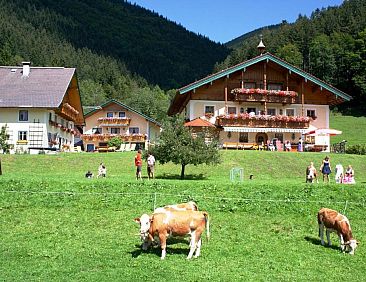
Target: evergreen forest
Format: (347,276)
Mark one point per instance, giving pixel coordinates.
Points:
(126,52)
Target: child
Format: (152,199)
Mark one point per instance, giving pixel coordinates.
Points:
(102,171)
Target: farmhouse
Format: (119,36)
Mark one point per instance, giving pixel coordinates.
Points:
(115,119)
(40,107)
(259,101)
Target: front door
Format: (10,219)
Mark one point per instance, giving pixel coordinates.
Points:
(261,137)
(90,147)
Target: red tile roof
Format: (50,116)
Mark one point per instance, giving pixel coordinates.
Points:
(198,122)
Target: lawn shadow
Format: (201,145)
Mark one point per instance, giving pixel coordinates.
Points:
(155,249)
(316,241)
(186,177)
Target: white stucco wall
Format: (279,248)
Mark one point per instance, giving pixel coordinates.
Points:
(38,120)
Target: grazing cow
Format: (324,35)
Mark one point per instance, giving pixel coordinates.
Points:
(189,206)
(174,223)
(336,222)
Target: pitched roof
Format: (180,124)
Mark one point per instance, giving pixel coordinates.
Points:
(98,108)
(242,66)
(198,122)
(45,87)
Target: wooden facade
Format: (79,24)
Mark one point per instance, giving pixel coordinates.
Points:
(259,100)
(115,119)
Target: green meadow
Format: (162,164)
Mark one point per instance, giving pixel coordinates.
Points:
(58,226)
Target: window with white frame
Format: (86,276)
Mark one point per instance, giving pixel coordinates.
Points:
(134,130)
(249,85)
(121,114)
(22,135)
(231,110)
(115,130)
(310,113)
(96,130)
(271,112)
(23,115)
(290,112)
(209,109)
(109,114)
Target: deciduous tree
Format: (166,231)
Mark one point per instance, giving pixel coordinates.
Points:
(177,145)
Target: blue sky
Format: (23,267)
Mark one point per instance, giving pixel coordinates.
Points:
(224,20)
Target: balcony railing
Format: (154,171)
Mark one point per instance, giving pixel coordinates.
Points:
(107,137)
(261,95)
(120,121)
(279,121)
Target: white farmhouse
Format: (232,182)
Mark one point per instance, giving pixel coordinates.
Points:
(40,107)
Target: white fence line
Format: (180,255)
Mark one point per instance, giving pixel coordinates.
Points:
(155,194)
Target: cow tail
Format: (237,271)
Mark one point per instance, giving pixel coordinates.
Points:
(207,224)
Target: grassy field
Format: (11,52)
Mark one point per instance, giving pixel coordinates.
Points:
(58,226)
(353,129)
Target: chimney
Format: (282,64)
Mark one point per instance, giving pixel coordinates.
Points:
(26,68)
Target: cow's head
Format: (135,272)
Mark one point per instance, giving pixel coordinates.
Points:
(351,245)
(144,221)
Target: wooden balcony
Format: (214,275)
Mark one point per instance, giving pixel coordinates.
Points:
(117,121)
(69,111)
(262,95)
(107,137)
(265,121)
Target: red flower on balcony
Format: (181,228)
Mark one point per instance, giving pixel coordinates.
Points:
(282,93)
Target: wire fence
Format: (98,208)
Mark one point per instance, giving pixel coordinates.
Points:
(155,196)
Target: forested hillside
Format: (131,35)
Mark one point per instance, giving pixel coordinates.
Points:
(330,44)
(119,49)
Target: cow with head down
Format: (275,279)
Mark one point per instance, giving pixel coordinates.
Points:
(174,223)
(336,222)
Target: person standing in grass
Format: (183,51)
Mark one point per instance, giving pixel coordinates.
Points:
(326,169)
(138,164)
(150,165)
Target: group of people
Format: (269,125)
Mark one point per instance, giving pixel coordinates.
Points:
(102,172)
(326,170)
(150,165)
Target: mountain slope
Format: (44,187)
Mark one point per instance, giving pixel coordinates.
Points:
(159,50)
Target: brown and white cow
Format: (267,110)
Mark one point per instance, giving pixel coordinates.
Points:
(333,221)
(189,206)
(174,223)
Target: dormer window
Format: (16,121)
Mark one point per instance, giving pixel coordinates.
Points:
(110,114)
(121,114)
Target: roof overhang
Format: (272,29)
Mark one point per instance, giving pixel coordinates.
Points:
(242,66)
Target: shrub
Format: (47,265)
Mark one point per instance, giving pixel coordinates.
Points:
(115,142)
(359,149)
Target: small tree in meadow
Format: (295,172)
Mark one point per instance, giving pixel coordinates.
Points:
(177,145)
(4,137)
